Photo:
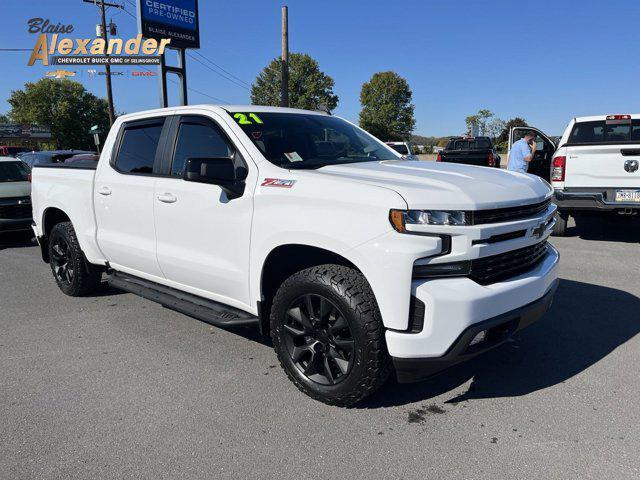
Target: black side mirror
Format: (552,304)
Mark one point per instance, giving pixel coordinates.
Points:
(217,171)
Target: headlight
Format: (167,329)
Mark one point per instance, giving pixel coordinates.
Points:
(400,218)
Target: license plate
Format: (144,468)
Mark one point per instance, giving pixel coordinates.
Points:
(628,196)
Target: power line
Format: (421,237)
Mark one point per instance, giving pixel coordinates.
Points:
(218,66)
(215,71)
(218,100)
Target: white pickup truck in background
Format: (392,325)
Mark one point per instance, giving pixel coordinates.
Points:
(355,261)
(595,168)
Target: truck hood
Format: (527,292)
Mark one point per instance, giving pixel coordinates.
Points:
(15,189)
(446,186)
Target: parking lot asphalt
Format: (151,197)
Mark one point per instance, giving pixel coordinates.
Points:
(115,386)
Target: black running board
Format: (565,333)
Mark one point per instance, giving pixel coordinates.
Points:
(203,309)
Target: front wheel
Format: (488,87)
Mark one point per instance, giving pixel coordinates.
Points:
(328,334)
(74,276)
(560,228)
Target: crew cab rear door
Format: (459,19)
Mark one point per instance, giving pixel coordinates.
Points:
(598,150)
(540,165)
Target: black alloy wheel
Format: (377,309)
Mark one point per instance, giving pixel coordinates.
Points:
(73,274)
(61,262)
(318,339)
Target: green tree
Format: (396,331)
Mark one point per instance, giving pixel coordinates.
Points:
(514,122)
(309,87)
(4,118)
(64,106)
(481,119)
(387,111)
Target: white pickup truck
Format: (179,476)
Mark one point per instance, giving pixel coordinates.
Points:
(593,168)
(355,261)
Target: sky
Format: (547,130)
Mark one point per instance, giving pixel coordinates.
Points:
(545,61)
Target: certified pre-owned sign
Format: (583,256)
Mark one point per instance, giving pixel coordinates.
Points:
(174,19)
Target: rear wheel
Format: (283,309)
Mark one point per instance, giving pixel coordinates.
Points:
(328,334)
(560,228)
(74,276)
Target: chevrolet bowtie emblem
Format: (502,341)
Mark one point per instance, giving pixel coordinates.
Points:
(60,74)
(539,230)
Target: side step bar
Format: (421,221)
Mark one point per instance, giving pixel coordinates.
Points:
(201,308)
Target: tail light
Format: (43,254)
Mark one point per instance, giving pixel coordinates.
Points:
(439,157)
(29,177)
(557,169)
(491,159)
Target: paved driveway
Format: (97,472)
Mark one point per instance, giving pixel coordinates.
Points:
(114,386)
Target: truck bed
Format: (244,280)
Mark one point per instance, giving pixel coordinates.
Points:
(68,187)
(466,157)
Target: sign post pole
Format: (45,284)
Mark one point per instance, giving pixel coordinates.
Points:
(176,20)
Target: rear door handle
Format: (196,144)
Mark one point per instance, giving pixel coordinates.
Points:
(104,190)
(167,198)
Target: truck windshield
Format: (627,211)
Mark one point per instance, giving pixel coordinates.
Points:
(300,141)
(13,172)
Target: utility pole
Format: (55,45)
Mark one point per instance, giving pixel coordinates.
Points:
(112,115)
(284,87)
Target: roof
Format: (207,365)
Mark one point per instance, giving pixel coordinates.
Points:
(595,118)
(228,108)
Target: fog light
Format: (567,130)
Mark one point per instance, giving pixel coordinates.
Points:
(480,337)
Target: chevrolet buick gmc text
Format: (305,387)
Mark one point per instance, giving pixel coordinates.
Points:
(356,262)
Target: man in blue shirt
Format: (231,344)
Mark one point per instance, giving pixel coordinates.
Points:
(522,153)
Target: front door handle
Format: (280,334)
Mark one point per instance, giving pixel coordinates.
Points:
(167,198)
(104,190)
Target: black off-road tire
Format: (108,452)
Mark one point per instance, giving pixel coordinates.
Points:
(560,228)
(84,277)
(349,291)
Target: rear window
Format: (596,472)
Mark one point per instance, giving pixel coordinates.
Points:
(401,149)
(138,146)
(603,132)
(475,144)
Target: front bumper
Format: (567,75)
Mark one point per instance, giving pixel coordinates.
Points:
(15,224)
(454,305)
(590,200)
(497,330)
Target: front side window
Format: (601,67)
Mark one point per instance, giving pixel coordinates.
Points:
(307,141)
(138,147)
(198,140)
(13,172)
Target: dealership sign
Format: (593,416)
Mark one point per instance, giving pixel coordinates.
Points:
(173,19)
(16,130)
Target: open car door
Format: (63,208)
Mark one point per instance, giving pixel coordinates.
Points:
(540,165)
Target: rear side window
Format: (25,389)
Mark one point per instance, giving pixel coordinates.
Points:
(198,139)
(138,147)
(601,131)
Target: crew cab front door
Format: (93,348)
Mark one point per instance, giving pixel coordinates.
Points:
(202,235)
(540,165)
